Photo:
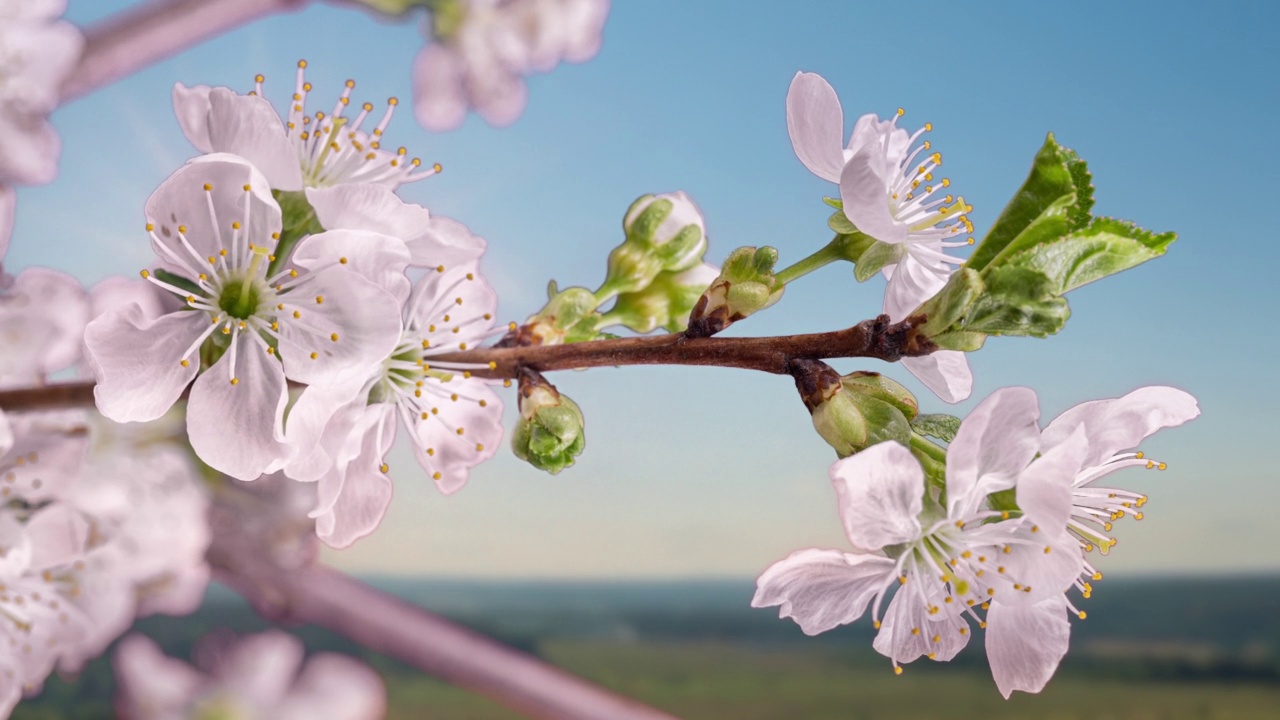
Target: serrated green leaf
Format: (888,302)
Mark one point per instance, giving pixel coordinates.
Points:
(938,425)
(875,257)
(951,303)
(840,223)
(1018,301)
(1105,247)
(1050,186)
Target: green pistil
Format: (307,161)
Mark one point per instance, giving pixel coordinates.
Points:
(240,300)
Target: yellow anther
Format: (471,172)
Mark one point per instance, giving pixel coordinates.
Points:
(1139,455)
(184,363)
(235,381)
(460,430)
(479,447)
(902,579)
(493,365)
(296,314)
(302,63)
(897,670)
(314,355)
(236,226)
(439,268)
(928,127)
(334,337)
(182,229)
(223,252)
(342,260)
(1161,466)
(319,299)
(145,274)
(1046,549)
(207,187)
(150,227)
(915,631)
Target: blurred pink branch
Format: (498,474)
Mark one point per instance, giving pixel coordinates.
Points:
(151,31)
(321,596)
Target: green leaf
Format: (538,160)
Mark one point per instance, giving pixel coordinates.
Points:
(961,340)
(938,425)
(950,304)
(1018,301)
(875,257)
(834,202)
(298,220)
(1059,184)
(840,224)
(1104,247)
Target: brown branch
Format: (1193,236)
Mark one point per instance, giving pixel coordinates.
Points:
(877,338)
(151,31)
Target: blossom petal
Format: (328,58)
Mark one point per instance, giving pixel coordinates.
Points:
(181,202)
(58,536)
(911,282)
(1043,573)
(191,105)
(1119,424)
(821,589)
(150,681)
(355,494)
(238,428)
(138,362)
(43,323)
(1044,488)
(363,317)
(440,101)
(46,454)
(466,432)
(378,258)
(262,667)
(908,632)
(863,190)
(458,298)
(247,125)
(29,150)
(815,122)
(995,443)
(316,424)
(1025,644)
(879,492)
(945,372)
(335,687)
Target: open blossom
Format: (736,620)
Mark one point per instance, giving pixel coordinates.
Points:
(42,318)
(304,150)
(37,52)
(484,48)
(947,563)
(454,420)
(261,677)
(888,191)
(248,327)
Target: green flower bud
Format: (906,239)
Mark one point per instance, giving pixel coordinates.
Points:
(570,316)
(854,412)
(549,434)
(666,303)
(665,233)
(746,285)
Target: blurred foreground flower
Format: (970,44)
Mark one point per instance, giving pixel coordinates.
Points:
(482,49)
(261,677)
(37,51)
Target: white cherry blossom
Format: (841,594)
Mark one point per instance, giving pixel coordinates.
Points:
(244,332)
(484,48)
(889,191)
(303,150)
(42,319)
(261,677)
(37,52)
(946,562)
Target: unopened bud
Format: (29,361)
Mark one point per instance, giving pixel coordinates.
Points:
(666,302)
(549,434)
(568,317)
(746,285)
(854,412)
(665,233)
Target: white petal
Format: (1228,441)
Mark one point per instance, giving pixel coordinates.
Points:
(364,317)
(1041,574)
(261,668)
(138,363)
(879,492)
(447,454)
(1044,488)
(238,429)
(52,445)
(995,443)
(1119,424)
(1025,644)
(440,99)
(181,200)
(58,536)
(945,372)
(911,282)
(191,105)
(864,192)
(149,681)
(29,150)
(378,258)
(457,298)
(363,501)
(815,122)
(42,323)
(821,589)
(321,411)
(247,125)
(939,635)
(335,687)
(446,242)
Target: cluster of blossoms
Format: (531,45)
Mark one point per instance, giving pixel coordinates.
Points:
(482,50)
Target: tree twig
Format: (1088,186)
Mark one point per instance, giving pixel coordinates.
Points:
(131,40)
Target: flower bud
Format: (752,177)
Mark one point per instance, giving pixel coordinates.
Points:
(854,412)
(665,233)
(549,434)
(746,285)
(568,317)
(666,302)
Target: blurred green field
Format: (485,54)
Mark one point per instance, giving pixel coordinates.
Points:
(1168,649)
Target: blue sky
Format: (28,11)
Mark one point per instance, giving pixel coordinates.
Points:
(698,472)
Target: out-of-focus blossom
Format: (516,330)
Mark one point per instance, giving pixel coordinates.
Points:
(482,50)
(262,677)
(946,561)
(41,454)
(37,52)
(305,150)
(454,420)
(213,225)
(7,202)
(42,318)
(148,512)
(891,196)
